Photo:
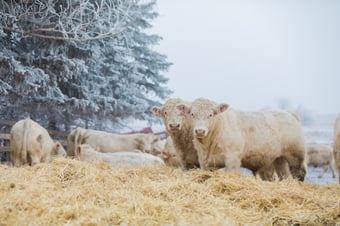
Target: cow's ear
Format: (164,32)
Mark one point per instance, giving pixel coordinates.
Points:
(157,111)
(221,108)
(39,138)
(138,141)
(78,150)
(155,139)
(183,109)
(164,155)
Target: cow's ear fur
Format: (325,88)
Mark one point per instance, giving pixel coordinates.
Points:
(78,150)
(183,109)
(164,155)
(138,141)
(157,111)
(155,139)
(221,108)
(39,138)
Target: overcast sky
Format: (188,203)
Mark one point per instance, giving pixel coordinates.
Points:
(251,53)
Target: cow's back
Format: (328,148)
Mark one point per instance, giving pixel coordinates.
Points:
(318,154)
(290,129)
(262,139)
(30,143)
(110,142)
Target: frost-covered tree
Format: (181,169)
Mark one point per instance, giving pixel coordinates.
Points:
(65,60)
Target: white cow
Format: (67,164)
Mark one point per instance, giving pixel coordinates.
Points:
(111,142)
(255,140)
(31,144)
(320,155)
(87,153)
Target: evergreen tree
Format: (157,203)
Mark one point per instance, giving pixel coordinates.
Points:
(92,60)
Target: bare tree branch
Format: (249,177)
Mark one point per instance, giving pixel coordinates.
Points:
(69,20)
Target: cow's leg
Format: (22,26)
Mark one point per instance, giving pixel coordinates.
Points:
(333,172)
(201,155)
(282,168)
(324,170)
(232,162)
(298,168)
(15,157)
(16,161)
(33,156)
(266,173)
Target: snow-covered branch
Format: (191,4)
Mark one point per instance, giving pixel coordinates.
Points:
(70,20)
(79,59)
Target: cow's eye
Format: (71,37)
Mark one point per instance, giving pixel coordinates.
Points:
(165,113)
(192,114)
(211,115)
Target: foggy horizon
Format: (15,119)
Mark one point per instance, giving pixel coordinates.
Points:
(252,54)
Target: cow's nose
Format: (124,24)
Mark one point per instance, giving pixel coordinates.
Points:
(200,132)
(174,126)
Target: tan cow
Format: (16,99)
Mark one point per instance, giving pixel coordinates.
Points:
(336,147)
(254,140)
(31,144)
(180,131)
(87,153)
(111,142)
(320,155)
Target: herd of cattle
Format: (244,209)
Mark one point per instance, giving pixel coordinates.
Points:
(202,134)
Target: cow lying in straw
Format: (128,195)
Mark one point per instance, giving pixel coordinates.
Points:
(87,153)
(111,142)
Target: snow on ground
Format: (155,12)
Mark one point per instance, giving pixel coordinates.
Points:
(320,131)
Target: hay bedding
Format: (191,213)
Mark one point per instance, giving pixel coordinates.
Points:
(70,192)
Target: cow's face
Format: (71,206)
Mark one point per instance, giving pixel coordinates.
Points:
(157,146)
(58,150)
(173,118)
(203,114)
(147,143)
(169,159)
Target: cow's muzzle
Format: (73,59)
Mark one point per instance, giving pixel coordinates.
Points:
(200,133)
(174,126)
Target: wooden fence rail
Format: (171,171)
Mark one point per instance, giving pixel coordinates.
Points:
(4,136)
